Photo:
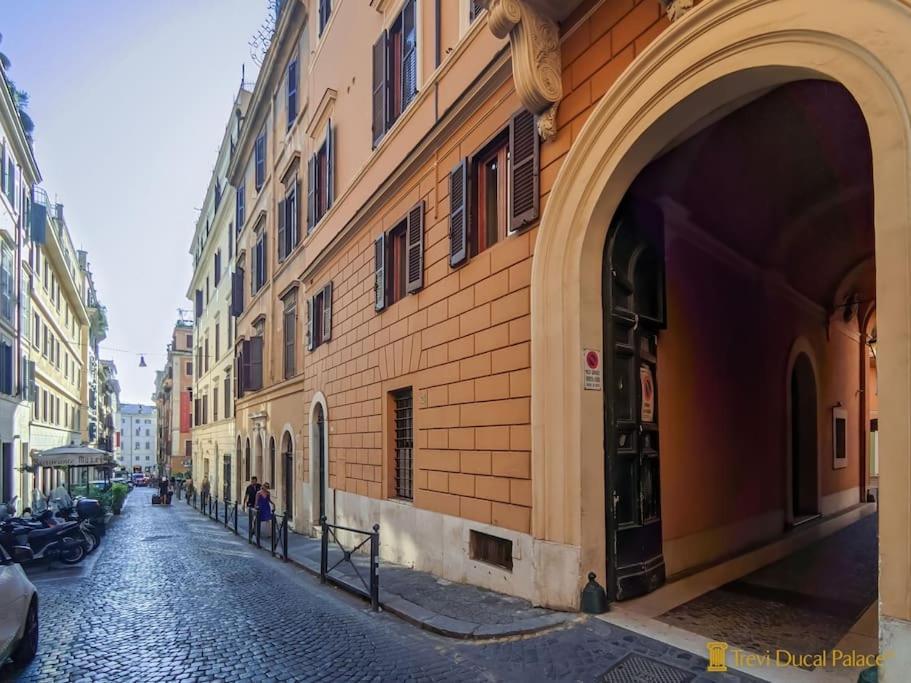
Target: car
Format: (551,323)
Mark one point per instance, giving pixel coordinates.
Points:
(140,479)
(19,607)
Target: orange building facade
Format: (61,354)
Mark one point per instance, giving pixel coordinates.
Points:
(548,288)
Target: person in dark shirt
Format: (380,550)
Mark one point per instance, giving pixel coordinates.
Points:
(250,493)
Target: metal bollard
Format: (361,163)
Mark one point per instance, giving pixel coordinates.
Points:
(375,568)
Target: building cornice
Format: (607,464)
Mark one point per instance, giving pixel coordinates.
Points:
(21,148)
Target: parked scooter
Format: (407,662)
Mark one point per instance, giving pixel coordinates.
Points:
(64,542)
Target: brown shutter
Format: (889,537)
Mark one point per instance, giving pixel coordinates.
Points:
(414,235)
(294,216)
(524,170)
(409,53)
(256,363)
(379,88)
(458,214)
(311,193)
(245,359)
(311,319)
(330,165)
(379,267)
(282,227)
(327,313)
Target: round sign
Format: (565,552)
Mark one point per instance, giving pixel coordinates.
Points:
(592,360)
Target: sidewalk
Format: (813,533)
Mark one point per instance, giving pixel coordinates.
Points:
(451,609)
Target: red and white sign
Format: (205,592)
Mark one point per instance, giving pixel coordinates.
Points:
(591,371)
(647,413)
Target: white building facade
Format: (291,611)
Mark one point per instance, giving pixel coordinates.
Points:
(139,443)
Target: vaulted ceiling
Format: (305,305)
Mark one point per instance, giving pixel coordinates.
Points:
(786,181)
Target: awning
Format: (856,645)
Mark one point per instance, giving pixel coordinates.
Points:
(73,456)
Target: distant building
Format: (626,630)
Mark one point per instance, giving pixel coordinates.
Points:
(212,249)
(110,433)
(139,426)
(174,397)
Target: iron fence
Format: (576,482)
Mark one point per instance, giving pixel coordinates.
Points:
(280,536)
(371,589)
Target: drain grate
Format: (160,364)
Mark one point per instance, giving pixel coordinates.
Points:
(639,669)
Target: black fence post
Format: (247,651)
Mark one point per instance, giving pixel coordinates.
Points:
(226,513)
(235,518)
(375,568)
(324,550)
(250,525)
(258,525)
(272,536)
(285,537)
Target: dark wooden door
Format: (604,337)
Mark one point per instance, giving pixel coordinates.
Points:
(321,459)
(634,312)
(288,469)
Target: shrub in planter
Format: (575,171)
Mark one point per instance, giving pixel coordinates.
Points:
(118,495)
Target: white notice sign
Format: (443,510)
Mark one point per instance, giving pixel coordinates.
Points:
(591,370)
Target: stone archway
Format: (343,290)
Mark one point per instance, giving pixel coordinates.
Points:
(720,52)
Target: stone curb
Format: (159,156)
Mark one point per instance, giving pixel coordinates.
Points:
(435,622)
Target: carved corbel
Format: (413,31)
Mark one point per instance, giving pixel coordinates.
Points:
(676,8)
(536,65)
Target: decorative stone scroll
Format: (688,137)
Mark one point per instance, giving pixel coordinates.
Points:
(536,64)
(677,8)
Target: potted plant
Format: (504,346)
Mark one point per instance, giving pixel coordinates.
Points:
(118,495)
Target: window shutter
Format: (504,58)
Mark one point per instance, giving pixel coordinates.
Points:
(524,165)
(379,267)
(292,92)
(6,368)
(237,292)
(294,215)
(38,223)
(310,323)
(282,227)
(245,368)
(311,193)
(409,54)
(414,278)
(327,313)
(198,303)
(256,363)
(330,164)
(379,88)
(458,214)
(32,384)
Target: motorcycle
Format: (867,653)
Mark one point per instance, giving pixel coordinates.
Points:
(63,542)
(48,537)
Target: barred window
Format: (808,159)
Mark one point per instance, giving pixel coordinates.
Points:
(404,454)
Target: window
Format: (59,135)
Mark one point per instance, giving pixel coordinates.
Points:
(148,446)
(319,317)
(399,259)
(217,341)
(206,356)
(258,261)
(395,70)
(239,208)
(259,161)
(6,368)
(321,179)
(216,273)
(205,409)
(290,332)
(148,432)
(288,223)
(474,9)
(189,368)
(250,364)
(325,11)
(292,93)
(227,393)
(495,192)
(215,404)
(404,455)
(198,303)
(7,283)
(237,291)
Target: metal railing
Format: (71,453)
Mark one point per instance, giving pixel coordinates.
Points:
(371,586)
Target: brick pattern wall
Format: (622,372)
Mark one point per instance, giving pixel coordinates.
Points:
(463,342)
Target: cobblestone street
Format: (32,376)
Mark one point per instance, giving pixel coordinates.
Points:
(173,597)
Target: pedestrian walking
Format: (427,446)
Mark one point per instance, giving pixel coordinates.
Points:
(264,508)
(205,489)
(163,491)
(250,492)
(189,489)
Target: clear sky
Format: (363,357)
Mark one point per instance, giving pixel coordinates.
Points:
(130,100)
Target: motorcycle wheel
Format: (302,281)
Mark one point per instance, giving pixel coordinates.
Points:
(73,555)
